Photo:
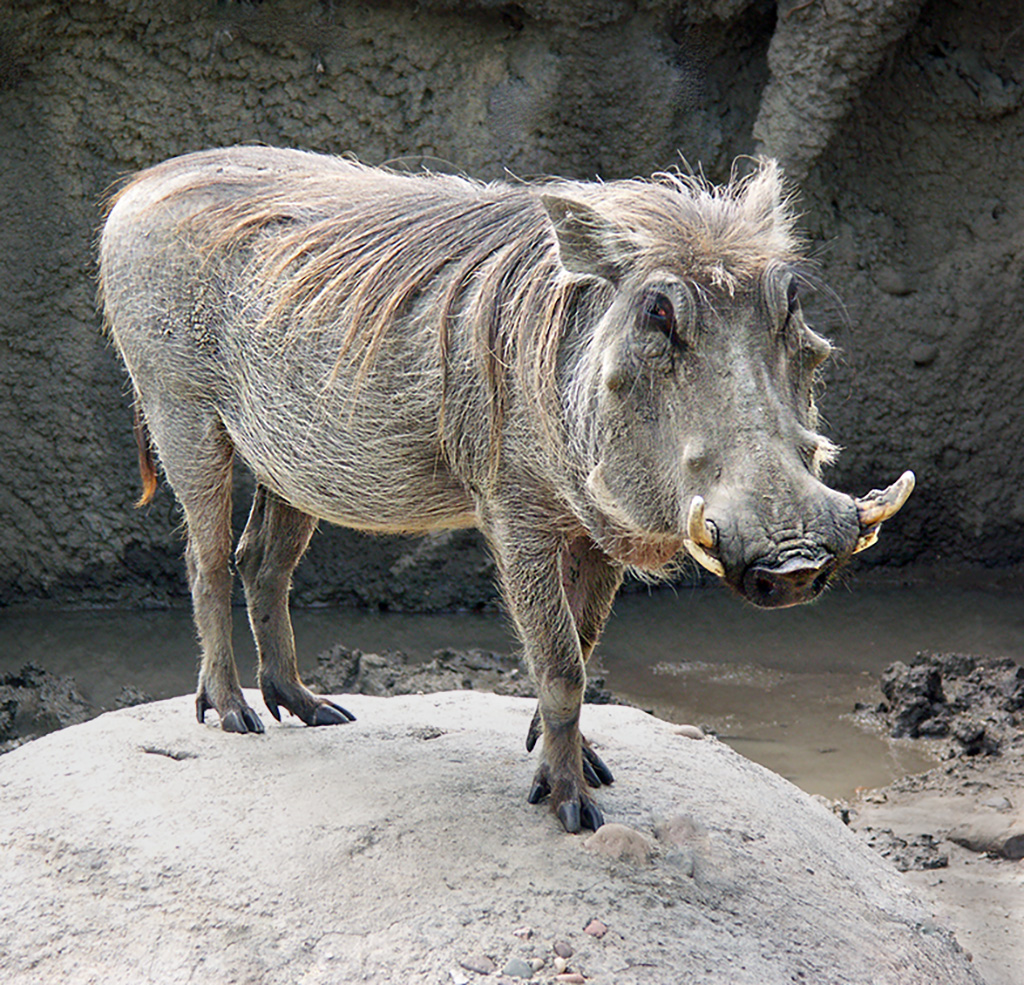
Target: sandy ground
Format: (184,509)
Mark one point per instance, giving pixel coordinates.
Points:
(979,892)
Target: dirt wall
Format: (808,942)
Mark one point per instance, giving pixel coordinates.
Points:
(910,165)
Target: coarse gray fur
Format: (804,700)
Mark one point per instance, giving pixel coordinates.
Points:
(565,365)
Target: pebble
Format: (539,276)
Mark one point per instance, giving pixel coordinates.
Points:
(998,834)
(572,978)
(690,731)
(893,282)
(681,830)
(596,928)
(562,949)
(517,968)
(458,978)
(924,353)
(620,841)
(560,964)
(524,932)
(479,963)
(997,804)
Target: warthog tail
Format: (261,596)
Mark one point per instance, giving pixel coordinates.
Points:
(147,467)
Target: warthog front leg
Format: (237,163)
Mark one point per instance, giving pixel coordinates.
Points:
(274,539)
(559,595)
(590,580)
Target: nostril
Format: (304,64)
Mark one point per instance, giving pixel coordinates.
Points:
(764,587)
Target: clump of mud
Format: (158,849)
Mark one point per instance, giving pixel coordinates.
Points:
(973,703)
(343,671)
(33,702)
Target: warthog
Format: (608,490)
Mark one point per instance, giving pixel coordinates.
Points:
(598,376)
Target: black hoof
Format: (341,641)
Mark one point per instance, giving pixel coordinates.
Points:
(538,791)
(578,814)
(242,720)
(331,714)
(303,703)
(597,767)
(569,814)
(591,816)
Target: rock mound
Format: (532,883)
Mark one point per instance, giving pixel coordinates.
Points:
(143,847)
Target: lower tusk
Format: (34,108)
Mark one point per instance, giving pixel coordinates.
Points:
(866,539)
(878,506)
(701,556)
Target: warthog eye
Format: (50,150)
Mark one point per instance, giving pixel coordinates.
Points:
(660,315)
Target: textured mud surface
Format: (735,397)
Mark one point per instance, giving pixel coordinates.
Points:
(958,830)
(905,129)
(340,669)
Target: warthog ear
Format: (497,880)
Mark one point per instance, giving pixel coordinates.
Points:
(587,242)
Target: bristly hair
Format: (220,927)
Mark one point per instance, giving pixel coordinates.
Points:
(339,243)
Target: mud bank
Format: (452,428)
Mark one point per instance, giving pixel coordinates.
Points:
(957,831)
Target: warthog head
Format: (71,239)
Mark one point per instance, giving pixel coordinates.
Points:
(694,390)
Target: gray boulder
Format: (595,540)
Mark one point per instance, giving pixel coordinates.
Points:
(143,847)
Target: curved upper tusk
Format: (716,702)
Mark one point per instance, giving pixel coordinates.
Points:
(877,507)
(700,538)
(697,528)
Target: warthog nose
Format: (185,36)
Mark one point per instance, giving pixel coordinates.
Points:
(796,580)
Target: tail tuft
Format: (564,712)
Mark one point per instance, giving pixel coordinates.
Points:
(147,467)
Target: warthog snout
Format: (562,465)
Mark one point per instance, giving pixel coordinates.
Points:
(791,582)
(773,575)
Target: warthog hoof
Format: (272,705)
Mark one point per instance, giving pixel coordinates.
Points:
(303,703)
(235,714)
(575,809)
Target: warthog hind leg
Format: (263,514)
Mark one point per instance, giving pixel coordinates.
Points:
(274,539)
(197,455)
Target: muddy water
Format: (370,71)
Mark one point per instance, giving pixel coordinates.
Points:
(777,686)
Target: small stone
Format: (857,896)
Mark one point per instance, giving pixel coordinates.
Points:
(924,353)
(893,282)
(998,834)
(536,963)
(997,804)
(571,978)
(560,964)
(562,949)
(681,831)
(621,842)
(458,978)
(517,968)
(596,928)
(523,932)
(690,731)
(479,963)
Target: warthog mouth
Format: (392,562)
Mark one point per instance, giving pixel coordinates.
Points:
(796,580)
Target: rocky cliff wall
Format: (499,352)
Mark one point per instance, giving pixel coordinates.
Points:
(904,124)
